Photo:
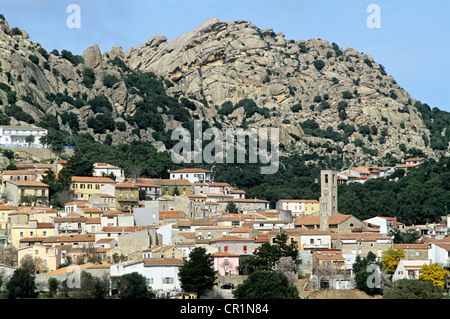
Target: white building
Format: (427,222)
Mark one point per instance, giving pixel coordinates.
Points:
(193,175)
(161,273)
(439,252)
(384,224)
(408,269)
(15,136)
(104,169)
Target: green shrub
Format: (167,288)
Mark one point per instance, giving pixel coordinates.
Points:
(88,77)
(109,80)
(296,108)
(347,95)
(319,64)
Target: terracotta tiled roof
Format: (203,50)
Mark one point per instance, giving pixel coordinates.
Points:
(223,254)
(232,238)
(92,179)
(315,220)
(70,238)
(328,254)
(163,262)
(28,183)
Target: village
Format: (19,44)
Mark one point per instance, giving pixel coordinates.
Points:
(150,226)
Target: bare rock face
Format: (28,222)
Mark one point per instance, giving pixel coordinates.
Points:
(230,61)
(92,57)
(226,62)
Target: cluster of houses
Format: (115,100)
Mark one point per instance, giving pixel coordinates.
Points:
(115,227)
(360,174)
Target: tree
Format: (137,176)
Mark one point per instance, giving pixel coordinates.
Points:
(408,237)
(391,258)
(79,165)
(8,256)
(413,289)
(33,264)
(53,284)
(266,284)
(30,139)
(434,273)
(360,269)
(134,286)
(21,285)
(9,155)
(319,64)
(231,208)
(197,274)
(175,191)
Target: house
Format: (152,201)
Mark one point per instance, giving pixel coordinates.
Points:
(337,223)
(161,274)
(299,207)
(234,244)
(360,244)
(21,175)
(90,212)
(74,240)
(93,225)
(103,201)
(312,239)
(162,251)
(74,206)
(245,204)
(72,274)
(4,212)
(86,186)
(225,263)
(18,136)
(211,232)
(50,256)
(126,195)
(148,191)
(439,252)
(105,169)
(330,270)
(21,224)
(70,225)
(414,251)
(193,175)
(26,191)
(329,257)
(384,224)
(415,161)
(408,269)
(171,186)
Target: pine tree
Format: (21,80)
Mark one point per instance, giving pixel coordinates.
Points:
(197,274)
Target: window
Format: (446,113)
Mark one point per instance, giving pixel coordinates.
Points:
(168,280)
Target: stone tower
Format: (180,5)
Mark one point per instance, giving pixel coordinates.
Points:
(328,197)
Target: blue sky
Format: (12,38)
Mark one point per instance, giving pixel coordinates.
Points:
(411,43)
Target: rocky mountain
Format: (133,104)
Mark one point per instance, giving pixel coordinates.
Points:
(325,99)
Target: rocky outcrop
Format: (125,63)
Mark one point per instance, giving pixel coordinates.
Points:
(219,62)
